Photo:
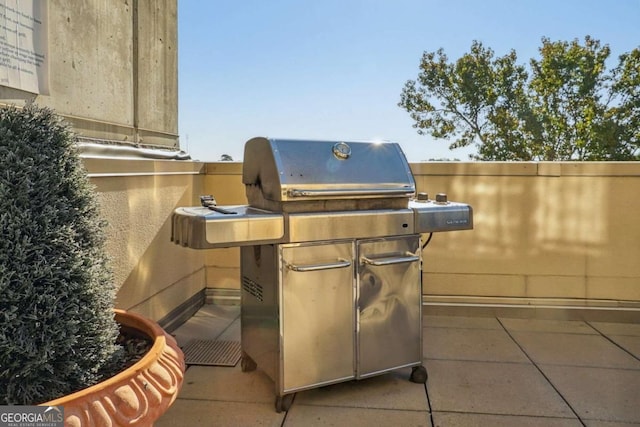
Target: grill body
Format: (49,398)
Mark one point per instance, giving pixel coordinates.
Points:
(331,259)
(322,312)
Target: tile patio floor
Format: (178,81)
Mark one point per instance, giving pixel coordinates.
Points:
(482,372)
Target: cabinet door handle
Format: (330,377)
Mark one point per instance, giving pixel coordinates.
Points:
(340,263)
(390,260)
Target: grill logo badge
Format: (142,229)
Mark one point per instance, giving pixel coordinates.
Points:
(341,150)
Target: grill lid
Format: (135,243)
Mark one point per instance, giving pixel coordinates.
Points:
(285,170)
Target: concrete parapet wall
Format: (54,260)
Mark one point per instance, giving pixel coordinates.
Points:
(557,234)
(137,197)
(113,70)
(546,235)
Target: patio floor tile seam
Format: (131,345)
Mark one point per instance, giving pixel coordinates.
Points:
(500,362)
(226,328)
(429,406)
(227,316)
(541,332)
(377,408)
(605,330)
(524,416)
(559,332)
(608,338)
(196,399)
(594,367)
(439,327)
(544,375)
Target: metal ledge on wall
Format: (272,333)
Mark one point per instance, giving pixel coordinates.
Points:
(530,310)
(116,150)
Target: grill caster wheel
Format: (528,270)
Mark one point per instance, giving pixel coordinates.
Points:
(283,403)
(418,375)
(246,363)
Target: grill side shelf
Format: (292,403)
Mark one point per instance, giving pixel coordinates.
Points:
(431,217)
(227,226)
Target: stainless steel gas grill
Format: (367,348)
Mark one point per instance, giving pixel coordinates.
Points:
(330,261)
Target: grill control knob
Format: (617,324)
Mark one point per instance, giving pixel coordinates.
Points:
(441,198)
(423,197)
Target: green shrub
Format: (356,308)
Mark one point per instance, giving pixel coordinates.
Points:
(57,328)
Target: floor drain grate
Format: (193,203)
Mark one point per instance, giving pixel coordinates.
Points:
(214,353)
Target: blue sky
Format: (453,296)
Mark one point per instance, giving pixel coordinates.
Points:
(334,69)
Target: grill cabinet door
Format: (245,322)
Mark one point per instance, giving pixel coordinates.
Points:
(318,318)
(389,304)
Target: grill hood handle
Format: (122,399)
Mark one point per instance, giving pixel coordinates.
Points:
(399,192)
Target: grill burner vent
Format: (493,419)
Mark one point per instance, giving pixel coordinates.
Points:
(253,288)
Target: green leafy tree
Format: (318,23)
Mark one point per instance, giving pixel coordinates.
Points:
(565,106)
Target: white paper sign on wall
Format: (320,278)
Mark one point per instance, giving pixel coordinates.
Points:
(24,62)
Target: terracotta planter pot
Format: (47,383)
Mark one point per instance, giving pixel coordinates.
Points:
(136,396)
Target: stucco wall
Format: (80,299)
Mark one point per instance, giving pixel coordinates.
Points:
(137,198)
(113,75)
(545,234)
(224,181)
